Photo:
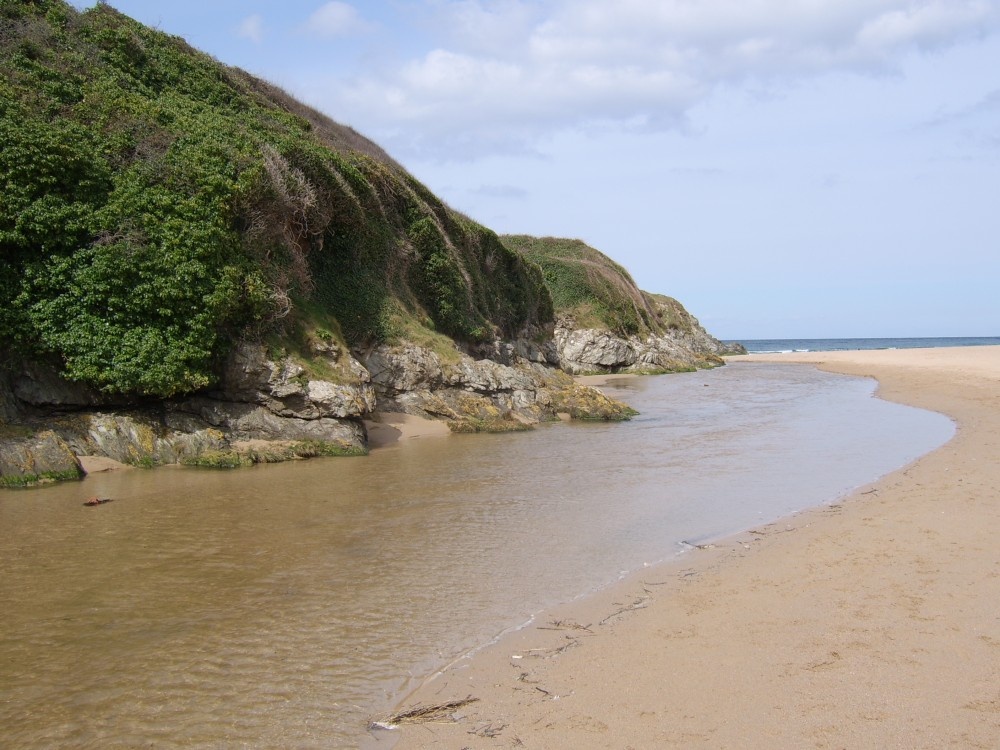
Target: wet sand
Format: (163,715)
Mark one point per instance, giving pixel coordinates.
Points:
(388,428)
(871,623)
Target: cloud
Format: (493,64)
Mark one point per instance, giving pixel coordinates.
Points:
(985,112)
(926,25)
(336,19)
(252,28)
(503,73)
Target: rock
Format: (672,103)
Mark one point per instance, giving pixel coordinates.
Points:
(487,376)
(39,385)
(412,380)
(340,401)
(9,411)
(283,388)
(545,352)
(400,369)
(30,459)
(136,439)
(682,344)
(242,421)
(587,350)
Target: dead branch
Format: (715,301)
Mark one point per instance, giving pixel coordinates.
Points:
(490,729)
(548,653)
(641,603)
(421,714)
(565,625)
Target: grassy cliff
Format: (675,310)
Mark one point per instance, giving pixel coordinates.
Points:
(158,205)
(596,292)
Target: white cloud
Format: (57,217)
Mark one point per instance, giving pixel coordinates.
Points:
(925,24)
(252,28)
(335,19)
(506,71)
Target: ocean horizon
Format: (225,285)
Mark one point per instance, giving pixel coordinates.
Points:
(772,346)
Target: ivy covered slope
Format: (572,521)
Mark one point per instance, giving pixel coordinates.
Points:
(157,206)
(605,323)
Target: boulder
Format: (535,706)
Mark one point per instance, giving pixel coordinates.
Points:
(588,349)
(136,438)
(400,369)
(29,459)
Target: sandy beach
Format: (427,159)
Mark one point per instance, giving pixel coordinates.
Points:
(871,623)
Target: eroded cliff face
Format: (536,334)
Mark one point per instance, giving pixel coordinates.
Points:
(268,408)
(685,346)
(270,400)
(272,406)
(483,394)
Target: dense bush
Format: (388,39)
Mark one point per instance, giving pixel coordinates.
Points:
(157,205)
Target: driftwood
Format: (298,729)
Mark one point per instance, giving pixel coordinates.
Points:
(565,625)
(641,603)
(548,653)
(421,714)
(96,500)
(490,729)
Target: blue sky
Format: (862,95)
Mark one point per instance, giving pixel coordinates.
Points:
(785,168)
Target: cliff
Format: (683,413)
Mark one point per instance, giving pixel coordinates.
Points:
(198,268)
(605,323)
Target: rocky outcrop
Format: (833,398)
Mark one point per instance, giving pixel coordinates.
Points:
(319,402)
(684,345)
(36,458)
(464,390)
(259,397)
(591,350)
(136,438)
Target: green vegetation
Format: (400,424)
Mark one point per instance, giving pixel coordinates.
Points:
(587,285)
(275,452)
(489,424)
(158,205)
(12,481)
(218,460)
(596,292)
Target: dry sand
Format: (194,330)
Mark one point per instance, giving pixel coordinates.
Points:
(872,623)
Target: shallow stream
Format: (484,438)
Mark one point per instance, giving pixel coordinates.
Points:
(282,606)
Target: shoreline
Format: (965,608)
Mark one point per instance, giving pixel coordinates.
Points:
(866,623)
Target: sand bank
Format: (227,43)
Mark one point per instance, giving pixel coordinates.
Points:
(387,428)
(873,623)
(97,464)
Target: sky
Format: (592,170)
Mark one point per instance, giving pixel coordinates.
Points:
(784,168)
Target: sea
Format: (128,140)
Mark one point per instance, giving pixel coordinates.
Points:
(770,346)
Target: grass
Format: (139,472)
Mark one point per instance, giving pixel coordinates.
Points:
(46,477)
(273,453)
(587,285)
(492,424)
